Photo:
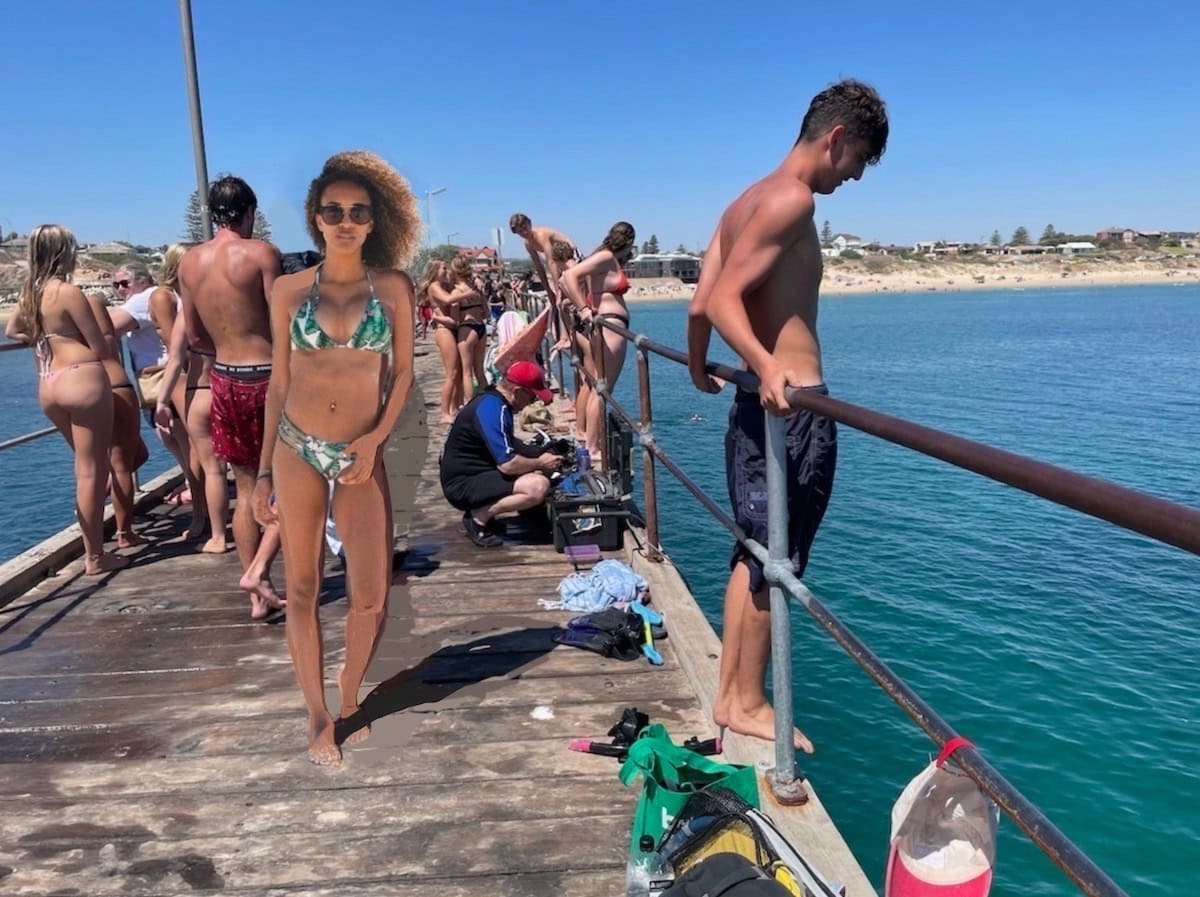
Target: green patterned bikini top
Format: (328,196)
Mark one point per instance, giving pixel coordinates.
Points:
(373,334)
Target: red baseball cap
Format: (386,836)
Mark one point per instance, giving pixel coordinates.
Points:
(530,376)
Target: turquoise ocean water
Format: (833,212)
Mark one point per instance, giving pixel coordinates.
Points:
(1065,648)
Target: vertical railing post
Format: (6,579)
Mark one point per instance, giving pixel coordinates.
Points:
(654,552)
(597,343)
(783,779)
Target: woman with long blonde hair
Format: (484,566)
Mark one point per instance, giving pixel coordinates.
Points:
(194,397)
(435,288)
(54,318)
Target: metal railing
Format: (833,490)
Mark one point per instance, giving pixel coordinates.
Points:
(1161,520)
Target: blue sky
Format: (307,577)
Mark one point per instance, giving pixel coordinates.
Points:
(581,114)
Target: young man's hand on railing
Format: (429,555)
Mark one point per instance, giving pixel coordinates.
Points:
(772,389)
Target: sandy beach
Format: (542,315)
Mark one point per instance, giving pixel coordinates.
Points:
(881,274)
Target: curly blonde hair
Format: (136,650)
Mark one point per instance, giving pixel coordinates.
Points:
(397,232)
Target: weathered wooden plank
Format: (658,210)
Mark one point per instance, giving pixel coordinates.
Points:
(337,811)
(374,762)
(279,731)
(624,685)
(431,850)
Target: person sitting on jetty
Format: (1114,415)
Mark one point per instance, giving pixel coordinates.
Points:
(73,389)
(224,284)
(342,373)
(759,289)
(597,287)
(485,470)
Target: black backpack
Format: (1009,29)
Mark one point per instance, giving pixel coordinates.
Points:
(726,875)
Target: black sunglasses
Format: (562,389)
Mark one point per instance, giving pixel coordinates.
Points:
(333,213)
(118,284)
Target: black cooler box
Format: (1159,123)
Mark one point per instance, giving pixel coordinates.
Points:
(588,508)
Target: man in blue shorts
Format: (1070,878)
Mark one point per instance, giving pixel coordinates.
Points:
(759,287)
(485,470)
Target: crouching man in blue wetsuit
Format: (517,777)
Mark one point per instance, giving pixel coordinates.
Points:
(487,472)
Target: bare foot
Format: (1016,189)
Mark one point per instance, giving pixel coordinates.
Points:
(350,707)
(128,538)
(215,545)
(758,724)
(322,751)
(263,598)
(360,733)
(105,562)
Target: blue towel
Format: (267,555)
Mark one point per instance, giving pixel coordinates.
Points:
(609,582)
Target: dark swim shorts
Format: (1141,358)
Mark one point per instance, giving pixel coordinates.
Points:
(811,459)
(239,404)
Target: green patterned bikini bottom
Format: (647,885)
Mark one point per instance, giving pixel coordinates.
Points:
(323,455)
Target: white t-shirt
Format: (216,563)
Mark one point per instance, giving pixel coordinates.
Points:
(144,344)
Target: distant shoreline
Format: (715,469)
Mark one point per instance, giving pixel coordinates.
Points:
(954,279)
(848,282)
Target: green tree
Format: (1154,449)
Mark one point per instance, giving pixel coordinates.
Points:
(826,233)
(997,240)
(681,249)
(12,235)
(1020,237)
(193,220)
(651,245)
(444,251)
(262,227)
(1049,236)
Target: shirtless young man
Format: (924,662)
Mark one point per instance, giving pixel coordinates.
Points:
(759,287)
(224,284)
(539,241)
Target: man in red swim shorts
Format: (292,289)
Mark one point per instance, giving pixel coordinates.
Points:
(224,284)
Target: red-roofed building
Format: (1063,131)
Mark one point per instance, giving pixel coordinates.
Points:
(483,259)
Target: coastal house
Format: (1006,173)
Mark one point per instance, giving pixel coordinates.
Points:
(483,259)
(1116,234)
(16,244)
(1029,249)
(842,242)
(683,265)
(1075,247)
(113,247)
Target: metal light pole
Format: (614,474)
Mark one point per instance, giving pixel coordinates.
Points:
(193,85)
(453,233)
(428,222)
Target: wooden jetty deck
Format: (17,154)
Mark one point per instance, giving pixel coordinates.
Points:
(152,735)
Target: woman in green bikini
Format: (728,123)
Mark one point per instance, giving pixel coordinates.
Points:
(341,374)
